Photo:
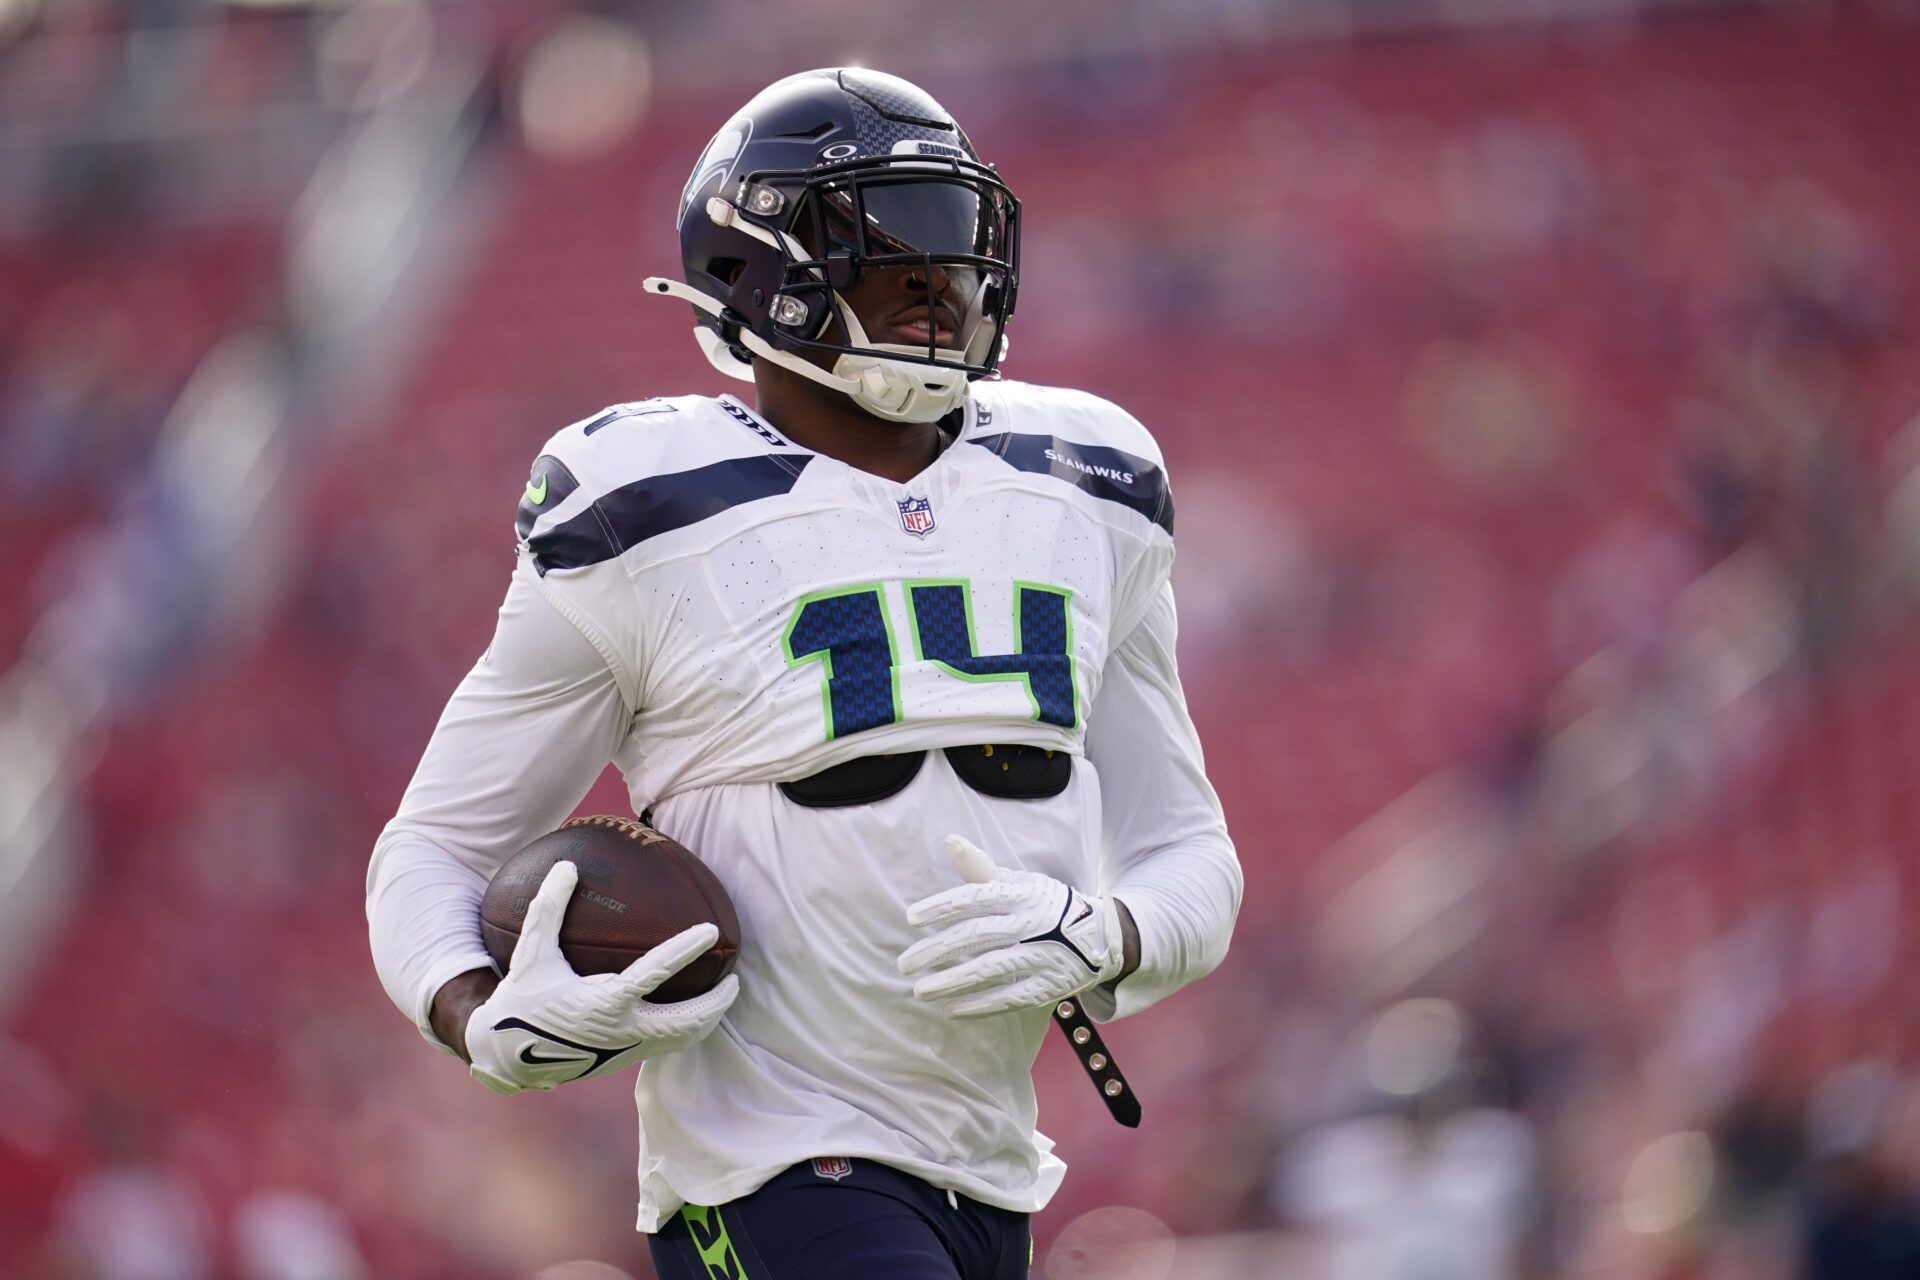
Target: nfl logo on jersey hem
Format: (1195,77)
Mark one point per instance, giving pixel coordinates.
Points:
(916,516)
(832,1168)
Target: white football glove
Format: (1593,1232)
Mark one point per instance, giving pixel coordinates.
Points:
(1009,939)
(546,1025)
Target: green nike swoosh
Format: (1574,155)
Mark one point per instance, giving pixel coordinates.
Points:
(537,492)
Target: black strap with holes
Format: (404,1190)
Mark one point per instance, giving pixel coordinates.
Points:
(1080,1032)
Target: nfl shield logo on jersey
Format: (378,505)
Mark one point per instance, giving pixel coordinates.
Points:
(833,1168)
(916,516)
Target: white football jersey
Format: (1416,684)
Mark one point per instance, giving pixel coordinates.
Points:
(719,610)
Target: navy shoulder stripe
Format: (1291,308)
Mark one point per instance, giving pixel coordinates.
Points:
(648,508)
(1113,474)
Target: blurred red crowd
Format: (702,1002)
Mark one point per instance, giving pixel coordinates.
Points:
(1538,413)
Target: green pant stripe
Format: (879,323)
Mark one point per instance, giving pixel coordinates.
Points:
(709,1232)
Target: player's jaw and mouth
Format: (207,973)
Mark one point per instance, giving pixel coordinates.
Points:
(896,305)
(919,325)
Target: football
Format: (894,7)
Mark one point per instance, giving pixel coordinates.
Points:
(637,888)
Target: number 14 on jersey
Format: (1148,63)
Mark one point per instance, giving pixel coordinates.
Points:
(848,633)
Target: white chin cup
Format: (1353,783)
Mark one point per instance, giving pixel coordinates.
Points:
(898,391)
(895,389)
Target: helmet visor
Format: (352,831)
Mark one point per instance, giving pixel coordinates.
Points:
(955,226)
(896,213)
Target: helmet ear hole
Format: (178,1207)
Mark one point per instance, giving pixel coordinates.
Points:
(728,269)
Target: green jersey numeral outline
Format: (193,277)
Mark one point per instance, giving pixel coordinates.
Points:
(823,653)
(1020,588)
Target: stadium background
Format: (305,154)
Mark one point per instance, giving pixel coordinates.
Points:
(1538,383)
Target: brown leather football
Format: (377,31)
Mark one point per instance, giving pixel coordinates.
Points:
(637,888)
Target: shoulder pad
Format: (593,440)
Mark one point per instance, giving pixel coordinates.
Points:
(550,485)
(626,442)
(1081,439)
(553,477)
(621,431)
(633,471)
(1079,416)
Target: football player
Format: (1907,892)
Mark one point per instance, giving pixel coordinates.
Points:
(892,649)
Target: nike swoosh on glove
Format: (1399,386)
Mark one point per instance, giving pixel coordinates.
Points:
(546,1025)
(1009,939)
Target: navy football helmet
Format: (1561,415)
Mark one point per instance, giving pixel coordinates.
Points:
(822,177)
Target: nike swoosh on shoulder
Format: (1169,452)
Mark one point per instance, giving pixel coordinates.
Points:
(537,494)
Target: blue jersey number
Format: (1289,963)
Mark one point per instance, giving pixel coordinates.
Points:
(847,633)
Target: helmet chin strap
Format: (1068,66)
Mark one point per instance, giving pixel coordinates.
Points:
(889,389)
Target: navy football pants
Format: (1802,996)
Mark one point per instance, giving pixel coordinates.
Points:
(870,1222)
